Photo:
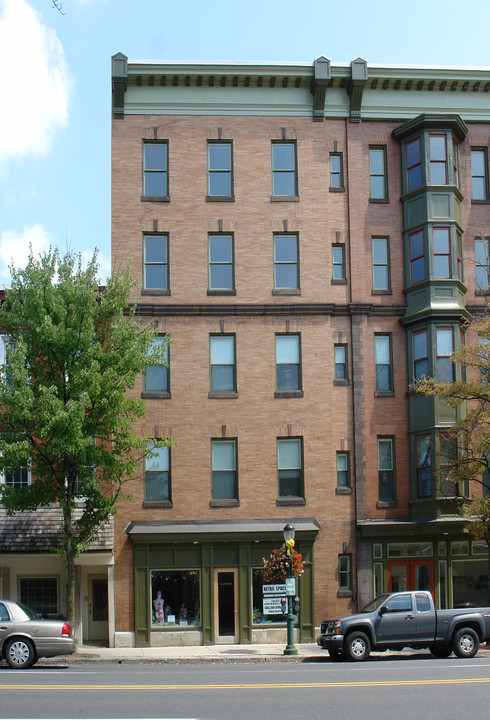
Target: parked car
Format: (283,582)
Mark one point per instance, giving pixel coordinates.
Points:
(406,619)
(25,636)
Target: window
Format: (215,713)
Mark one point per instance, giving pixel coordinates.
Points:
(423,467)
(479,174)
(414,164)
(377,173)
(222,357)
(40,594)
(420,355)
(224,470)
(155,249)
(290,467)
(455,164)
(386,470)
(156,376)
(343,470)
(155,169)
(18,479)
(6,344)
(417,257)
(459,255)
(221,263)
(448,452)
(336,171)
(345,572)
(220,178)
(381,266)
(175,598)
(340,358)
(383,362)
(286,271)
(157,474)
(288,362)
(438,159)
(442,252)
(444,350)
(482,261)
(284,179)
(338,262)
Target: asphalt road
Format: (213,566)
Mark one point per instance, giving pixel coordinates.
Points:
(401,689)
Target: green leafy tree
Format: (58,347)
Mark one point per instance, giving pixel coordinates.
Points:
(470,465)
(72,351)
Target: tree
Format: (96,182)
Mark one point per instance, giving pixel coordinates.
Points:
(72,351)
(471,432)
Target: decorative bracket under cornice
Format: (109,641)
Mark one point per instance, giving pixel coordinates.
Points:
(355,87)
(319,86)
(119,83)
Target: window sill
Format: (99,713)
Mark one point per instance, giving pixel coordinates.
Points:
(288,394)
(284,198)
(155,198)
(345,593)
(156,395)
(338,281)
(221,292)
(480,202)
(220,198)
(287,291)
(336,189)
(381,292)
(341,383)
(157,504)
(155,291)
(384,393)
(222,394)
(379,201)
(343,491)
(290,501)
(387,504)
(224,503)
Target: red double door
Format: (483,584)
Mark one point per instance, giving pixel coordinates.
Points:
(411,575)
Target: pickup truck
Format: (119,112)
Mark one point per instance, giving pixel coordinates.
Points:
(406,619)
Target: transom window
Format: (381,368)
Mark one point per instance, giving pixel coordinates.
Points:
(220,180)
(284,175)
(155,169)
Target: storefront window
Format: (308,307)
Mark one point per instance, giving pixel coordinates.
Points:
(396,550)
(443,584)
(460,547)
(377,579)
(470,582)
(264,613)
(175,596)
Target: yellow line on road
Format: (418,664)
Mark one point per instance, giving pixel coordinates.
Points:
(252,686)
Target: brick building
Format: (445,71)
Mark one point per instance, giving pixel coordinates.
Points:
(306,234)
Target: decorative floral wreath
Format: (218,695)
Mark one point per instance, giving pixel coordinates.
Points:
(276,568)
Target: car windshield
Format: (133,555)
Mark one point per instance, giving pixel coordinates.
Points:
(374,604)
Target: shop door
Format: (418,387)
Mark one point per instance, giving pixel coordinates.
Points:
(411,575)
(98,626)
(226,606)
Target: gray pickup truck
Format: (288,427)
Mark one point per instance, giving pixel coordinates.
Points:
(406,619)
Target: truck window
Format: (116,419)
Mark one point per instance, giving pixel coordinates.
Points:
(399,603)
(423,603)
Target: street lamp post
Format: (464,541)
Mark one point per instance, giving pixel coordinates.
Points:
(289,532)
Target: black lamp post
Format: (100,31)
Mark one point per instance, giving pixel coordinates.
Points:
(289,532)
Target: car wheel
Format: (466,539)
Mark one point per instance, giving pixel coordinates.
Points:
(357,646)
(336,654)
(465,643)
(20,653)
(440,651)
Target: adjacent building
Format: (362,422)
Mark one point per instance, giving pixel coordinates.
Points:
(312,237)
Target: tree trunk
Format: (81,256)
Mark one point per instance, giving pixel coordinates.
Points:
(69,563)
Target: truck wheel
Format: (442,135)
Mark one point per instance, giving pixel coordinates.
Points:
(465,643)
(440,651)
(357,646)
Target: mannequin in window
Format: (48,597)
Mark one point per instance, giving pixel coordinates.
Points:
(158,606)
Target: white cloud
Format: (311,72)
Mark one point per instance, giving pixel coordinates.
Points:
(35,82)
(14,248)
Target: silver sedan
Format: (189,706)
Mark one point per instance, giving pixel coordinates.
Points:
(25,637)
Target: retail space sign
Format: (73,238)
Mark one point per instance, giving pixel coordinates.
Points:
(268,590)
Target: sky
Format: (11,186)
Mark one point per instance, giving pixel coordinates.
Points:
(55,85)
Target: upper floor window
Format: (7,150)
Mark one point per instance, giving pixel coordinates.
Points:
(220,169)
(221,263)
(18,479)
(336,171)
(224,469)
(442,252)
(444,350)
(286,266)
(377,173)
(155,262)
(157,474)
(288,363)
(338,261)
(423,466)
(343,470)
(459,255)
(456,163)
(340,359)
(222,360)
(381,263)
(479,174)
(417,257)
(290,467)
(386,469)
(414,164)
(482,262)
(382,357)
(448,453)
(345,572)
(155,169)
(156,376)
(284,173)
(420,355)
(6,346)
(438,159)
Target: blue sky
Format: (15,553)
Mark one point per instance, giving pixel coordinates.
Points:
(56,86)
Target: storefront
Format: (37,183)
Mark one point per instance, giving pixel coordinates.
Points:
(200,583)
